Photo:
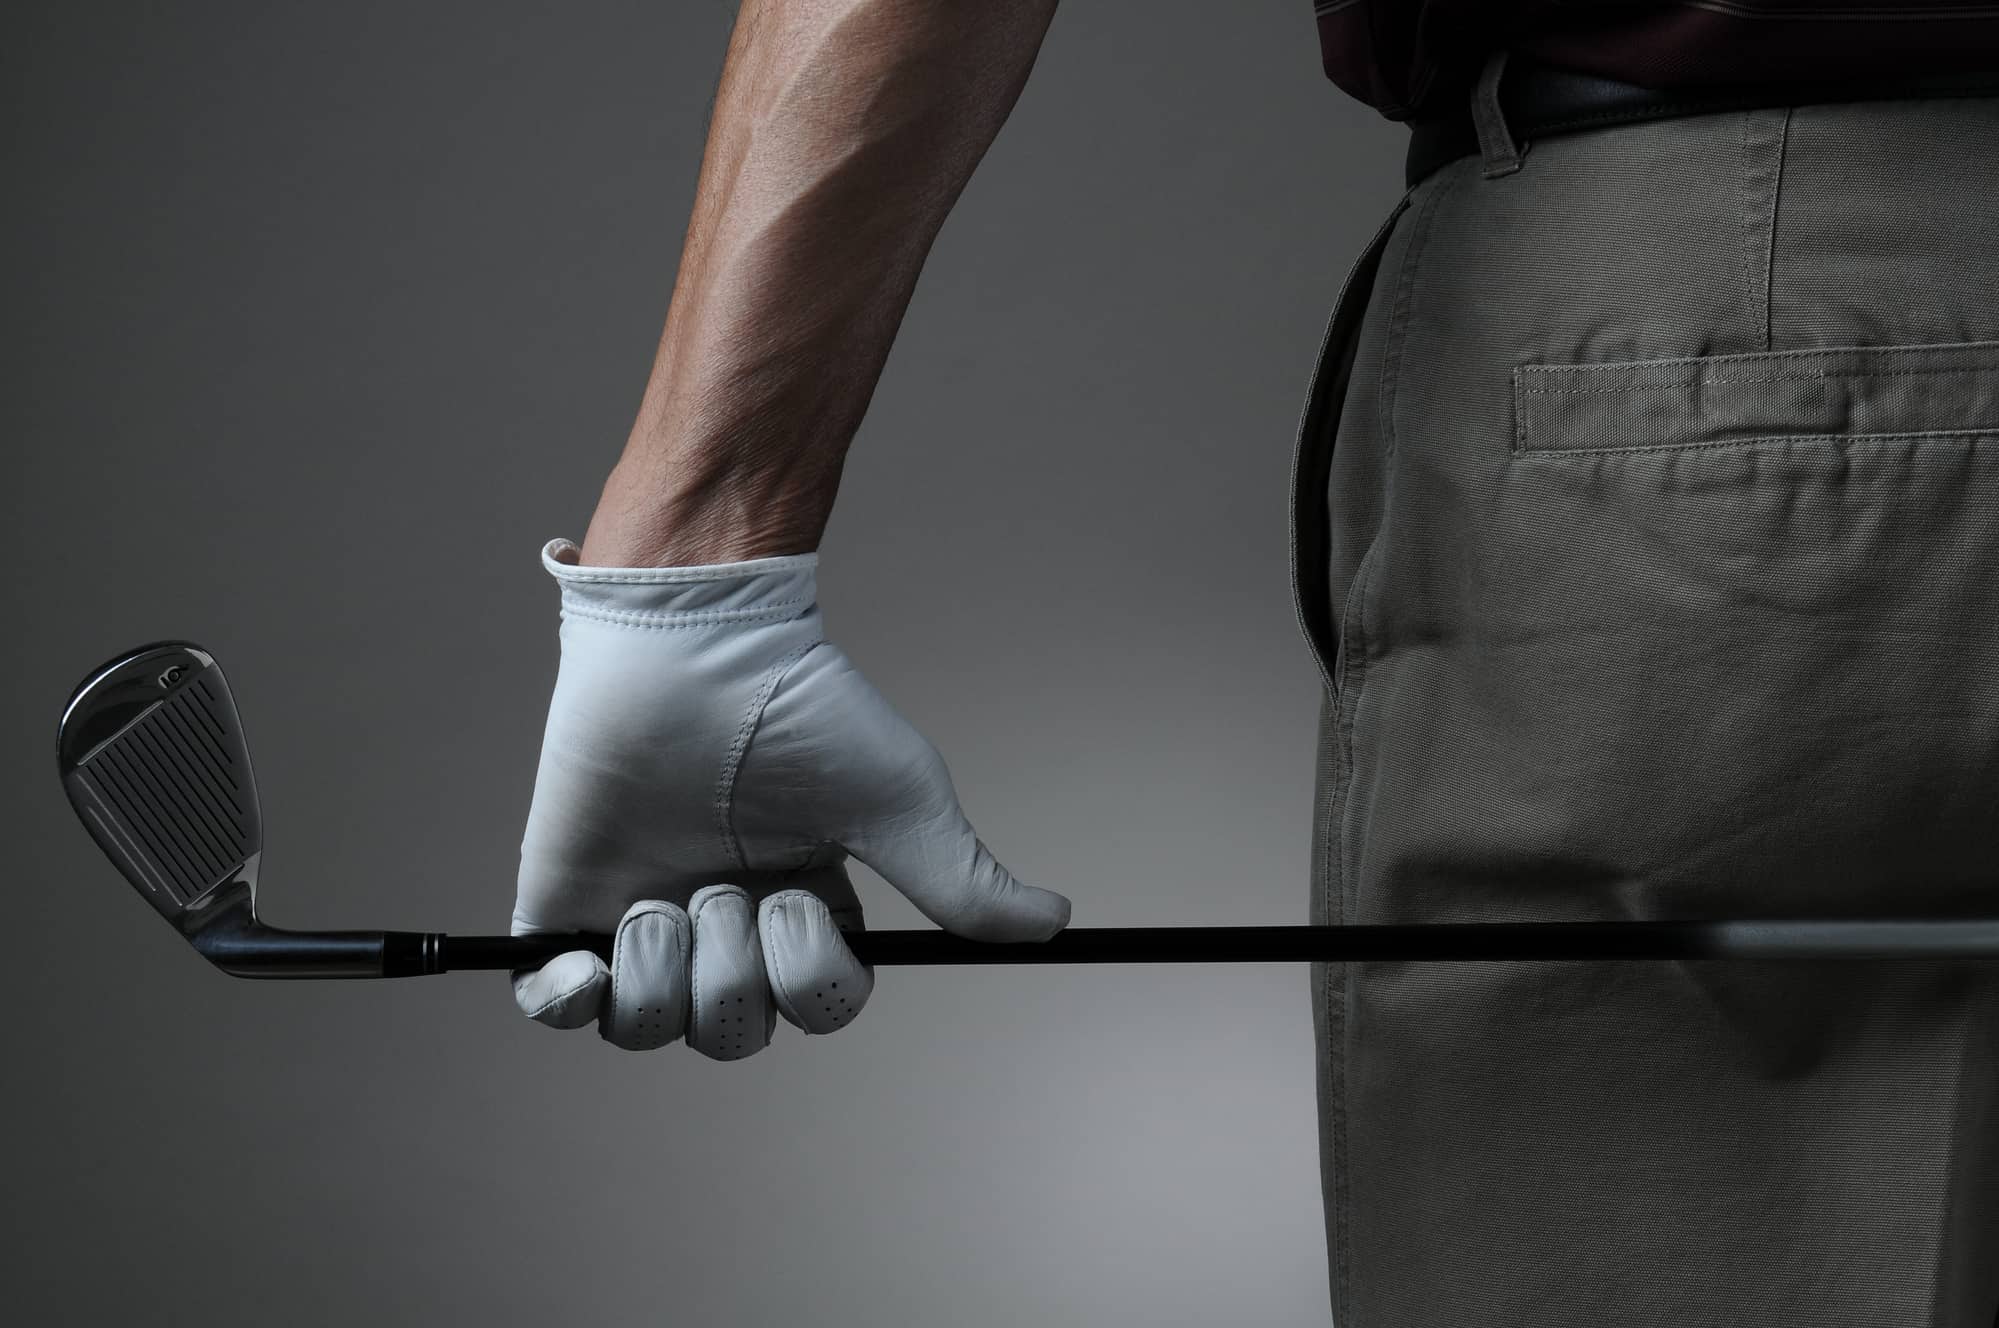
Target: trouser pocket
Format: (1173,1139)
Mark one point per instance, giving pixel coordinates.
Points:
(1312,460)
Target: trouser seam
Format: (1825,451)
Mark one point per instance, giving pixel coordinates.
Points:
(1352,678)
(1395,333)
(1940,1240)
(1764,138)
(1770,250)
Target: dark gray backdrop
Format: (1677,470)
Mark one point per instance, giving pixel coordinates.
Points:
(319,320)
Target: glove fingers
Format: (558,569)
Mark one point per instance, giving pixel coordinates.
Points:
(948,873)
(565,992)
(831,885)
(650,960)
(814,978)
(731,1015)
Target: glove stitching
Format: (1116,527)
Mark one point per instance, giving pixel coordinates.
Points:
(774,611)
(718,1050)
(617,953)
(779,995)
(693,967)
(780,565)
(693,975)
(693,971)
(725,787)
(617,967)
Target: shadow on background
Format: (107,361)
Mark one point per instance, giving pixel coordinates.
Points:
(321,320)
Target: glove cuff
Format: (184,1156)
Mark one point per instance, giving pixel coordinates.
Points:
(750,590)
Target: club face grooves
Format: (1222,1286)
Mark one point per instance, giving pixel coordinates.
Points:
(152,758)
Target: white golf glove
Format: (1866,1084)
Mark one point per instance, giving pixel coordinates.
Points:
(710,761)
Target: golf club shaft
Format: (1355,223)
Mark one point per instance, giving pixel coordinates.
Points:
(151,752)
(1745,939)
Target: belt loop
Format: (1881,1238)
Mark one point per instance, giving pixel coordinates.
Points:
(1495,140)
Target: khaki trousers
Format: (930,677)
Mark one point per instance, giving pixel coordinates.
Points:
(1648,536)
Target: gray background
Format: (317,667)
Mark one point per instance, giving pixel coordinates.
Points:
(319,320)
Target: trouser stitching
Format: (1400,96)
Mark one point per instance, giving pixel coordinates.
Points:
(1352,678)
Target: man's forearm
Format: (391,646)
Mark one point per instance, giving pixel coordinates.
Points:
(843,132)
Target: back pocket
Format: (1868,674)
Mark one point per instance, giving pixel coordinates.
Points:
(1834,396)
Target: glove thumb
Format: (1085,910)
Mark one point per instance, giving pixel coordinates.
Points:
(948,873)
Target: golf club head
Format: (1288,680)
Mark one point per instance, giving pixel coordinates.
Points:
(152,757)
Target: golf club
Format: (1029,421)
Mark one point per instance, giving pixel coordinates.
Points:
(153,759)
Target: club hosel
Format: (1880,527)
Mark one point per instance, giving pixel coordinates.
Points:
(241,946)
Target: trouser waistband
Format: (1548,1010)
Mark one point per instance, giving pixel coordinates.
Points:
(1517,100)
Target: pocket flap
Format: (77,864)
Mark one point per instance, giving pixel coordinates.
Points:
(1837,393)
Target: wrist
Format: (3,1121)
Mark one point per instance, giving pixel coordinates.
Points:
(647,519)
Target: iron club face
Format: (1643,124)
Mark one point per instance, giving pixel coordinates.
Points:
(152,757)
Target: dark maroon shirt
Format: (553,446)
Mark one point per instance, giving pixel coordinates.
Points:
(1411,57)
